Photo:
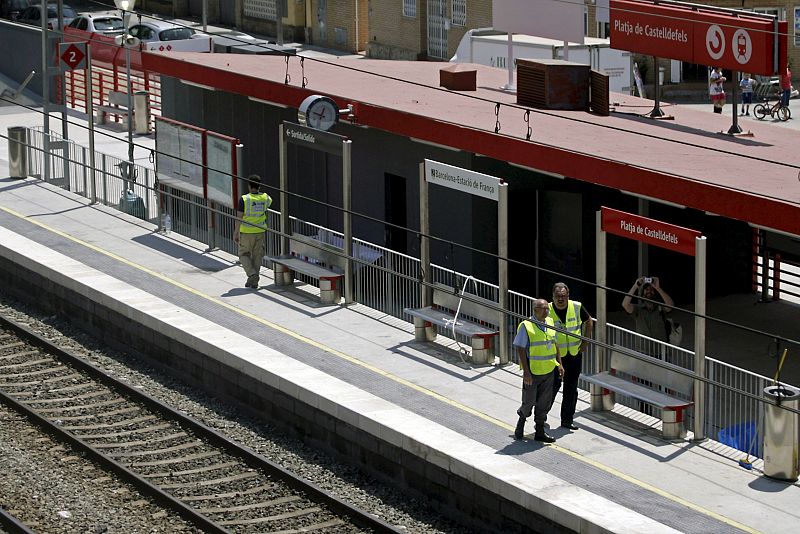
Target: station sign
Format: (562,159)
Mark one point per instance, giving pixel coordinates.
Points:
(650,231)
(471,182)
(734,40)
(313,139)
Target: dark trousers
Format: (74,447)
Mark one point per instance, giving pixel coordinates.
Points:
(537,398)
(569,399)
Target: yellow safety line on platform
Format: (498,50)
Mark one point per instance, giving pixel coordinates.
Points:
(386,374)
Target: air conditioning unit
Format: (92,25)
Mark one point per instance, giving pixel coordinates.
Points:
(553,84)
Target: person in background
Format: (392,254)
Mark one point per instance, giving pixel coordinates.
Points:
(251,229)
(539,357)
(786,86)
(571,316)
(746,85)
(716,90)
(647,314)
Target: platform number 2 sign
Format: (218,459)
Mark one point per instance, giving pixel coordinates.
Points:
(72,55)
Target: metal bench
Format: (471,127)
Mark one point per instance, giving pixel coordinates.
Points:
(118,105)
(442,313)
(653,384)
(311,258)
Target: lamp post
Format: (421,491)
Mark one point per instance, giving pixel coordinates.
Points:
(126,40)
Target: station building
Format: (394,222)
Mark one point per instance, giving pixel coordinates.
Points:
(736,190)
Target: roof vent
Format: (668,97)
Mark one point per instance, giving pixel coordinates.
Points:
(553,84)
(457,77)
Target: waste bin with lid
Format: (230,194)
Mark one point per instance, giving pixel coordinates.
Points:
(781,433)
(18,151)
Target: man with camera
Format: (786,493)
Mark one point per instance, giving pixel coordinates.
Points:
(648,314)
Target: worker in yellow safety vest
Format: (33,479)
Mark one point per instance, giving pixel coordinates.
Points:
(251,228)
(570,317)
(539,356)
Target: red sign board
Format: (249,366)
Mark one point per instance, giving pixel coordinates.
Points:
(649,231)
(738,41)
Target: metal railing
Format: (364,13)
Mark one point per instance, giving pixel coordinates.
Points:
(388,281)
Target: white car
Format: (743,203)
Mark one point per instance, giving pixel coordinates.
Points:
(98,23)
(165,36)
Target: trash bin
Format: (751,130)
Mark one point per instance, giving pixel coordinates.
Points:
(781,433)
(18,151)
(141,112)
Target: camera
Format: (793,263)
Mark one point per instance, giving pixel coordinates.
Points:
(647,280)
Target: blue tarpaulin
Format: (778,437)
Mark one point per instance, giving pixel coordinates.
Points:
(740,437)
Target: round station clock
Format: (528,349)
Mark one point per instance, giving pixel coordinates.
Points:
(318,112)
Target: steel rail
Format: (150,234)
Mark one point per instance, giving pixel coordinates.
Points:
(12,524)
(357,516)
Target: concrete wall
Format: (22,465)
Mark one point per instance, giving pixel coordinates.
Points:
(26,42)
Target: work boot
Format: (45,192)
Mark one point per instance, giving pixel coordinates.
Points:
(543,436)
(519,432)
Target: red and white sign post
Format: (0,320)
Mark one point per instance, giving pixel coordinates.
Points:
(742,41)
(671,237)
(78,56)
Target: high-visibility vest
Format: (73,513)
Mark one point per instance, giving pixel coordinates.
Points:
(568,345)
(542,348)
(255,213)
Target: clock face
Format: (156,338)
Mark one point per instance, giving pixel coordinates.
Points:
(319,112)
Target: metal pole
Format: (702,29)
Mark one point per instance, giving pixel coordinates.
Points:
(90,105)
(764,268)
(279,21)
(284,194)
(700,338)
(205,17)
(657,112)
(596,391)
(426,294)
(641,247)
(509,61)
(62,78)
(127,17)
(45,97)
(347,148)
(502,271)
(735,128)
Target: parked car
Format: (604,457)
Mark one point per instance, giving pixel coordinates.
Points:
(165,36)
(99,23)
(33,15)
(10,9)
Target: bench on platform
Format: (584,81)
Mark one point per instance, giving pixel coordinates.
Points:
(312,258)
(657,384)
(117,105)
(442,313)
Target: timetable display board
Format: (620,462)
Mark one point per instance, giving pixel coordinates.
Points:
(222,169)
(179,156)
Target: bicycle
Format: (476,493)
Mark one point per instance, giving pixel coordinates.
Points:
(762,109)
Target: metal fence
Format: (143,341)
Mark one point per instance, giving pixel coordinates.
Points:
(386,280)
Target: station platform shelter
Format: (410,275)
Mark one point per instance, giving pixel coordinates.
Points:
(354,375)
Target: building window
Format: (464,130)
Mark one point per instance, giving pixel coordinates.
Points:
(410,8)
(776,11)
(459,12)
(603,30)
(340,36)
(260,9)
(797,27)
(586,20)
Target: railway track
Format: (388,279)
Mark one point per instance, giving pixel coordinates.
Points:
(185,466)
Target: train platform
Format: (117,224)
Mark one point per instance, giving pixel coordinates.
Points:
(363,369)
